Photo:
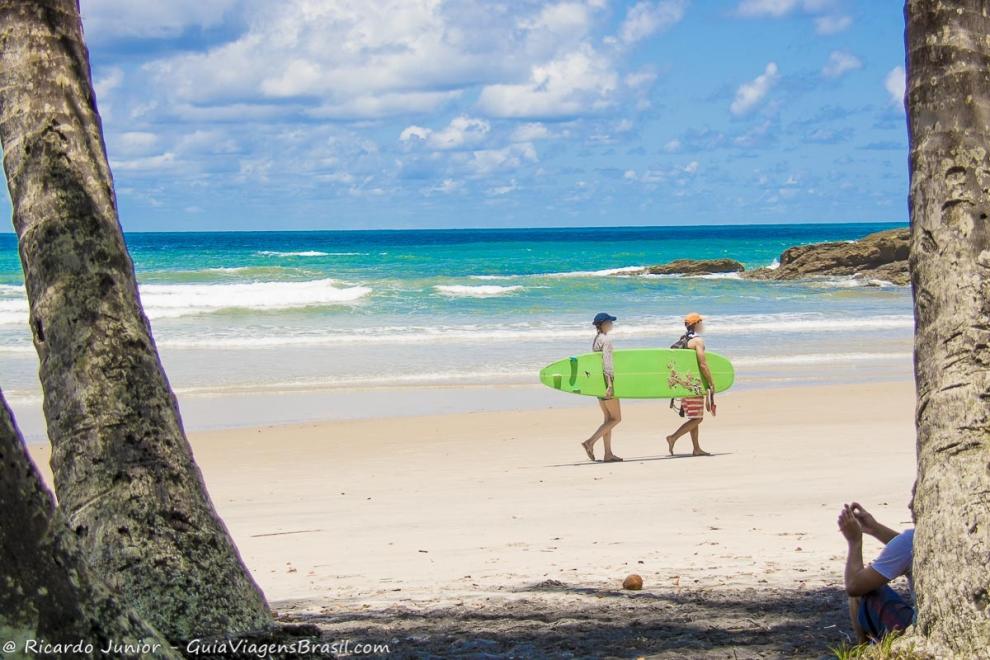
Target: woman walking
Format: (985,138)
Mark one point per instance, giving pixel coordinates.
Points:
(609,404)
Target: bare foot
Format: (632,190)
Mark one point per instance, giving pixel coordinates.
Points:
(588,449)
(700,452)
(670,443)
(613,459)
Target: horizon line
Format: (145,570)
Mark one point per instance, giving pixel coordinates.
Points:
(521,228)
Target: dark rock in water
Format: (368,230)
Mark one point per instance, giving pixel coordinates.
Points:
(695,267)
(878,257)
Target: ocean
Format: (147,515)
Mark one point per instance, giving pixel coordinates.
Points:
(324,324)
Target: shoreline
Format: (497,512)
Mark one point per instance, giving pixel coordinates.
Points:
(213,411)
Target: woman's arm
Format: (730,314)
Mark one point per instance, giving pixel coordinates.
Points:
(608,366)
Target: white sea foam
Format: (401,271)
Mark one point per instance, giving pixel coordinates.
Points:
(13,310)
(847,282)
(608,272)
(389,380)
(774,265)
(486,291)
(300,253)
(171,300)
(16,348)
(818,358)
(765,325)
(685,276)
(249,269)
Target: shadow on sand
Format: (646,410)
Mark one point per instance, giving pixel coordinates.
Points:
(556,620)
(639,459)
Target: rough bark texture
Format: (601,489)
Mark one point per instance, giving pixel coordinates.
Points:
(46,590)
(124,471)
(948,102)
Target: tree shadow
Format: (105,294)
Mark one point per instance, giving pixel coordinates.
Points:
(557,620)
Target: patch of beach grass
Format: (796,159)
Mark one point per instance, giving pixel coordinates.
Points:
(885,649)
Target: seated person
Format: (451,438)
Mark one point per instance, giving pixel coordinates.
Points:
(875,608)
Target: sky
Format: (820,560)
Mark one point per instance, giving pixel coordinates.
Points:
(369,114)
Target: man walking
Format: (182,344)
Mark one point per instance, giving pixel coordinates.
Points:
(693,408)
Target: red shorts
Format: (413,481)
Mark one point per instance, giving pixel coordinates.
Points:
(694,407)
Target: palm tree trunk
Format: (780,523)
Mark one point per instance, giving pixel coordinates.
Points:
(948,103)
(48,590)
(124,471)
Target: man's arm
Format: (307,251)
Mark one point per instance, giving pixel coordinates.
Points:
(699,349)
(870,525)
(859,580)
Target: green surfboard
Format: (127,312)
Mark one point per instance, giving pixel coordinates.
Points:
(640,373)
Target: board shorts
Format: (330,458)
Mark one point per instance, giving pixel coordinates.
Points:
(882,611)
(693,407)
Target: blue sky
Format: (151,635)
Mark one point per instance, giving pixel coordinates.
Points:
(334,114)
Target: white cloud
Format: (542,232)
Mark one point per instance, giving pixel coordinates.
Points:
(530,132)
(754,136)
(751,93)
(832,24)
(447,186)
(353,59)
(640,79)
(559,24)
(780,8)
(895,83)
(104,19)
(163,161)
(376,106)
(109,82)
(839,63)
(503,189)
(461,131)
(133,143)
(673,146)
(488,161)
(766,7)
(577,83)
(644,19)
(691,167)
(206,142)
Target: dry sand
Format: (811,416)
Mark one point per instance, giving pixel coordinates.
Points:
(491,534)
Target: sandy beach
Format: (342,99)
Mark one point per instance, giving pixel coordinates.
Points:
(366,526)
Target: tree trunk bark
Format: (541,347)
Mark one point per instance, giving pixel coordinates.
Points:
(48,591)
(124,471)
(948,103)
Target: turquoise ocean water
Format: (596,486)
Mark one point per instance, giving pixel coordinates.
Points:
(334,315)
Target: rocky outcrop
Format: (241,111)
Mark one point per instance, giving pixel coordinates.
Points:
(878,257)
(695,267)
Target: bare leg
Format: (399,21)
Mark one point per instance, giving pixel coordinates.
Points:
(686,427)
(615,412)
(854,618)
(606,427)
(695,432)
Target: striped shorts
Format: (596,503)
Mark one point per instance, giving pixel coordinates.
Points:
(694,407)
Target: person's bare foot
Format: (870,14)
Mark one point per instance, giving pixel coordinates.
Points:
(613,459)
(700,452)
(670,443)
(589,450)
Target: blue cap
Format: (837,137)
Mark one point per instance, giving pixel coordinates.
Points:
(601,317)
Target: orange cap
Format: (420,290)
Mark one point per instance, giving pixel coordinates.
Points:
(693,318)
